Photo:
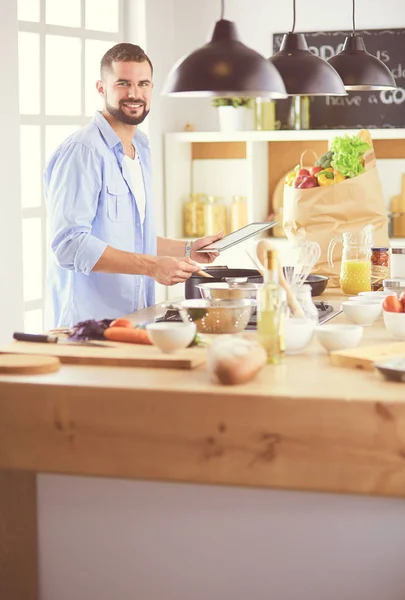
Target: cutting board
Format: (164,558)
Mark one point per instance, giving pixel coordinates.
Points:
(364,357)
(115,355)
(24,364)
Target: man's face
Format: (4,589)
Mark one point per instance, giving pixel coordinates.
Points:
(127,91)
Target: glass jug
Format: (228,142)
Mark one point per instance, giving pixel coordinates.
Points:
(355,271)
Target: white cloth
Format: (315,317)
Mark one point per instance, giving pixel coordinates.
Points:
(135,170)
(134,167)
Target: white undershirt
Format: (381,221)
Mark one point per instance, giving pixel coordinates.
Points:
(134,167)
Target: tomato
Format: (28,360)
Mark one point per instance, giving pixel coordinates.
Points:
(121,323)
(402,300)
(392,304)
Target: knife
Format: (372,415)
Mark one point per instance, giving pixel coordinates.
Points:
(53,339)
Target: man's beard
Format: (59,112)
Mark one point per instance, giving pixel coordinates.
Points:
(120,115)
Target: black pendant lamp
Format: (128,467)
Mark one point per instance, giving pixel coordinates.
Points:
(224,67)
(360,70)
(303,73)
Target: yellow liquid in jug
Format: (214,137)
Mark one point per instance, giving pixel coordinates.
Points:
(355,276)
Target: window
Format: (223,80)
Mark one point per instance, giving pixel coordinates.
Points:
(60,47)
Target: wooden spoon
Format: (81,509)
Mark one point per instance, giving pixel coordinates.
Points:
(204,274)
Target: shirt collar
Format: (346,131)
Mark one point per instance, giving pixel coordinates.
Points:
(109,134)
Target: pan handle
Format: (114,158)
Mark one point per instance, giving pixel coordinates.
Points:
(175,306)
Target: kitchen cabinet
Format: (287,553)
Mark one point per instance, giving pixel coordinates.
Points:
(246,163)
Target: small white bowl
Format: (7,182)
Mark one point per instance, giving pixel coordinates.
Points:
(338,336)
(298,334)
(365,300)
(170,337)
(378,294)
(362,313)
(395,323)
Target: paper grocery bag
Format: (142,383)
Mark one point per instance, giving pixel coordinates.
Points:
(325,212)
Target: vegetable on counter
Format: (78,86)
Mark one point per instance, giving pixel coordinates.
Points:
(91,329)
(133,335)
(120,322)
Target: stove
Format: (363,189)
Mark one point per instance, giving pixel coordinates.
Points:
(325,313)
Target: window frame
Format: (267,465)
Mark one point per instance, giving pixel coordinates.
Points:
(43,120)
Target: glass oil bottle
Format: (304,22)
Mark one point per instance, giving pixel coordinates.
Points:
(271,304)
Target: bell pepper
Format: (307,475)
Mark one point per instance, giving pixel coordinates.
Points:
(329,176)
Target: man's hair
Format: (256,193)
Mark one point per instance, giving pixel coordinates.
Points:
(124,53)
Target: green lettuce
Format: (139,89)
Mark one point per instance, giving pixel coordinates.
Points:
(347,154)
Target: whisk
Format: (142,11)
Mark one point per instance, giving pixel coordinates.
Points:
(305,255)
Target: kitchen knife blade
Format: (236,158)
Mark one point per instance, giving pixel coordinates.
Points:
(53,339)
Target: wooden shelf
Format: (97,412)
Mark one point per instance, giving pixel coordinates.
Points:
(281,136)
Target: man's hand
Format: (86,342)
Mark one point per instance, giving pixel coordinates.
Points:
(168,270)
(205,257)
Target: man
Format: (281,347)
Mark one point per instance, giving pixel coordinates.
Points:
(106,256)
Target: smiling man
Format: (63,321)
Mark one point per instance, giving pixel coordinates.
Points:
(105,254)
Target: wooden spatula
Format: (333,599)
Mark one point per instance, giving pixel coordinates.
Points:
(204,274)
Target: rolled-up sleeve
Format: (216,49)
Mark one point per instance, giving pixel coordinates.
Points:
(73,183)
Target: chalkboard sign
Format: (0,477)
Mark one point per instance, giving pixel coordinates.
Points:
(358,110)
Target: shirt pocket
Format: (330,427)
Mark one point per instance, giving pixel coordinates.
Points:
(118,202)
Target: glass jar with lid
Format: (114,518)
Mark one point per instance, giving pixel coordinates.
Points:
(215,215)
(238,213)
(190,216)
(200,214)
(380,268)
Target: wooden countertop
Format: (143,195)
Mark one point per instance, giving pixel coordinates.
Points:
(301,425)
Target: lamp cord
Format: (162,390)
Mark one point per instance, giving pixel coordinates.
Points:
(222,9)
(294,10)
(354,20)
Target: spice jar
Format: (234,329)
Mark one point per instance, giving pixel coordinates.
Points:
(380,269)
(398,263)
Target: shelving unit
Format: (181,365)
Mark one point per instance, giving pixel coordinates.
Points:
(247,163)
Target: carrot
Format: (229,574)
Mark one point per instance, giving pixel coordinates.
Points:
(121,323)
(125,334)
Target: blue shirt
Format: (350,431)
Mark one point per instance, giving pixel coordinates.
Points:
(91,204)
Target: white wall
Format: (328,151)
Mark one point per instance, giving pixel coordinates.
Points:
(11,300)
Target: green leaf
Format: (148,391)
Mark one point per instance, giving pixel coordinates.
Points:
(347,154)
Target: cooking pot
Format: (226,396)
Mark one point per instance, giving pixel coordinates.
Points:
(219,274)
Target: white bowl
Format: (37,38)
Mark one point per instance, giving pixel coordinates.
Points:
(365,300)
(298,334)
(338,336)
(378,294)
(362,313)
(395,323)
(170,337)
